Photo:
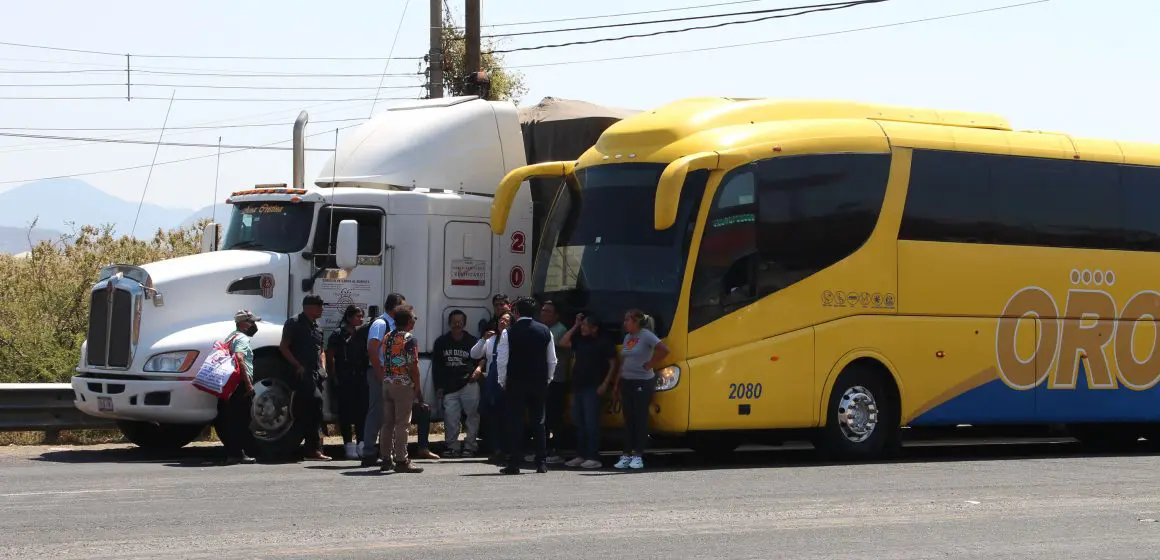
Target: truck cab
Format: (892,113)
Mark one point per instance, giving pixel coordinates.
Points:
(402,206)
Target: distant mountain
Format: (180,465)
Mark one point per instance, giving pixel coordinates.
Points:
(55,203)
(222,215)
(17,240)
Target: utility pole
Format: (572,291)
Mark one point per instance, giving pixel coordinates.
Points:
(473,62)
(435,57)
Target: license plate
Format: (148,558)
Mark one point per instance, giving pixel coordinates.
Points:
(105,404)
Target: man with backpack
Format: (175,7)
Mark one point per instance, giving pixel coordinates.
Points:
(233,420)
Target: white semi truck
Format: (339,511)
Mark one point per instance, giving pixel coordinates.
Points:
(403,206)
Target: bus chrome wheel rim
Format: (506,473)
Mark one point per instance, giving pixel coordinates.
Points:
(271,414)
(857,414)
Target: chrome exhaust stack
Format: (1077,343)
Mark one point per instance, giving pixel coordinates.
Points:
(300,150)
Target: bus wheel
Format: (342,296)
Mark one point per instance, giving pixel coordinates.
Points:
(861,417)
(159,437)
(276,434)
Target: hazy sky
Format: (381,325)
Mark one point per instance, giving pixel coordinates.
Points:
(1082,67)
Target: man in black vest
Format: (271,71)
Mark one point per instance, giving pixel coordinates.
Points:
(525,360)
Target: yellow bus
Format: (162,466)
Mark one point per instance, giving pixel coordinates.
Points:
(852,269)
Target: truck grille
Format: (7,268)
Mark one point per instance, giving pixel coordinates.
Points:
(110,328)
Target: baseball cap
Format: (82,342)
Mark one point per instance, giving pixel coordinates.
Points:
(246,315)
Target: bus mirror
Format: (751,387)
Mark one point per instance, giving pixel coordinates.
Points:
(505,194)
(346,247)
(209,237)
(670,184)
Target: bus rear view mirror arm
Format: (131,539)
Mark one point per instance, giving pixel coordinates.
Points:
(510,185)
(673,179)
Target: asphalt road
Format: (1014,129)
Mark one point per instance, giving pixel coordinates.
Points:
(1025,501)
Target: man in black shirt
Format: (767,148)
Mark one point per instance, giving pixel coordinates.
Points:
(593,374)
(346,364)
(500,305)
(457,384)
(301,345)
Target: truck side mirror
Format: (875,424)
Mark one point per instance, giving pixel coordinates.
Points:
(346,249)
(209,237)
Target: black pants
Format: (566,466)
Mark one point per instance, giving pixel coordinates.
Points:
(529,399)
(233,422)
(493,419)
(635,399)
(554,415)
(352,404)
(308,411)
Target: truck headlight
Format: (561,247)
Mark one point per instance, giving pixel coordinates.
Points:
(668,377)
(171,362)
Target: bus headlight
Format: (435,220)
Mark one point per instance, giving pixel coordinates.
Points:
(171,362)
(668,377)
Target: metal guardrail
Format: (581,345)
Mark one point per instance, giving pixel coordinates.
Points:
(47,407)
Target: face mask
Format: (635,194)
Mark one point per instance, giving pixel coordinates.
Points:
(252,330)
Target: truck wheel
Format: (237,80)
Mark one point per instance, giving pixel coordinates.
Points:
(276,433)
(159,437)
(862,420)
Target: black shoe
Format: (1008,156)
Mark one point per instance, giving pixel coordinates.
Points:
(241,459)
(247,460)
(510,470)
(370,461)
(541,467)
(386,467)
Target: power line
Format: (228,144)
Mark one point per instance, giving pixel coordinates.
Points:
(151,129)
(676,20)
(135,167)
(209,86)
(771,41)
(624,14)
(390,53)
(211,99)
(198,57)
(830,8)
(144,142)
(211,74)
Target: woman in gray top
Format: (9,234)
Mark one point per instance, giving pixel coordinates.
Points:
(640,354)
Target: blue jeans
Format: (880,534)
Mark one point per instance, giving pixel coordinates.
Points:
(586,418)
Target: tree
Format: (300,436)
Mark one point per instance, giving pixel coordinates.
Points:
(506,85)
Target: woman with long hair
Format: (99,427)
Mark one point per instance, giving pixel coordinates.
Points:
(640,355)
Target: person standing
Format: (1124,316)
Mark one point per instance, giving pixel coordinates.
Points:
(346,360)
(499,306)
(401,392)
(302,346)
(457,384)
(493,412)
(525,360)
(378,330)
(557,399)
(640,355)
(592,375)
(233,420)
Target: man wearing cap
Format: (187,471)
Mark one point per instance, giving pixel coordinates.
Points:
(233,420)
(302,343)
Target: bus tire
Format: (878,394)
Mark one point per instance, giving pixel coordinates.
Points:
(159,437)
(276,433)
(862,415)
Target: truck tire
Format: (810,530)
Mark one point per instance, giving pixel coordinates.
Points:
(862,419)
(159,437)
(277,435)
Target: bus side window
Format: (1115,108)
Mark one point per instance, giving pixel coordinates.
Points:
(723,277)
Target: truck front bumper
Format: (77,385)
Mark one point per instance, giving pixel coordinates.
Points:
(161,401)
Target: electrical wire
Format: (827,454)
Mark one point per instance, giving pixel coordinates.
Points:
(210,86)
(143,142)
(170,162)
(197,57)
(689,18)
(624,14)
(150,129)
(386,65)
(772,41)
(831,8)
(211,99)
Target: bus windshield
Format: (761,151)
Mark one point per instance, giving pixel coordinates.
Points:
(599,253)
(281,227)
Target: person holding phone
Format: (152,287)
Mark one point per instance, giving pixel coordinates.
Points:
(640,355)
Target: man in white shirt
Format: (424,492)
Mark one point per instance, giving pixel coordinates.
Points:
(525,360)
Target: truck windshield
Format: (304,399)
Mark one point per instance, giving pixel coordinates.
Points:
(600,254)
(281,227)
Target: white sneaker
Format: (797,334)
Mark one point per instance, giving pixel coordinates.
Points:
(623,463)
(636,463)
(575,462)
(554,460)
(591,464)
(352,451)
